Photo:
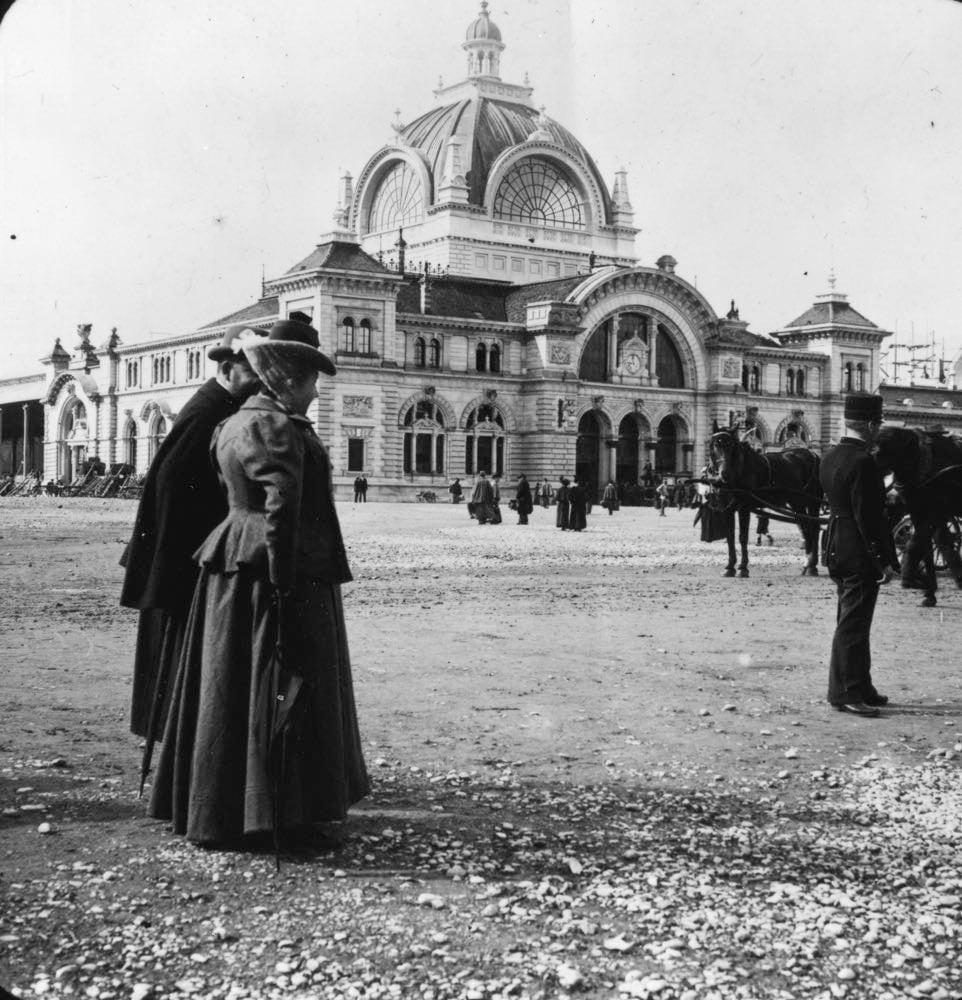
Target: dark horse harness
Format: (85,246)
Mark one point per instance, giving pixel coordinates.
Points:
(758,503)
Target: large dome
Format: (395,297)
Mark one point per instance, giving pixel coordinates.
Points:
(487,128)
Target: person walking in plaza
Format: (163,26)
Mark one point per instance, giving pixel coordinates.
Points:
(363,489)
(456,491)
(262,737)
(661,497)
(181,502)
(358,489)
(523,499)
(858,552)
(546,494)
(609,499)
(578,497)
(563,498)
(482,505)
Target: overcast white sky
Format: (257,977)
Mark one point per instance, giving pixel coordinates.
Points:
(154,157)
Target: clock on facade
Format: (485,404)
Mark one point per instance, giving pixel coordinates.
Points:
(632,364)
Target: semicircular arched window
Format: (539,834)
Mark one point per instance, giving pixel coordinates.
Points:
(398,200)
(538,192)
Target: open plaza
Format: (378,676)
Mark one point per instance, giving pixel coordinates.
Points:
(599,770)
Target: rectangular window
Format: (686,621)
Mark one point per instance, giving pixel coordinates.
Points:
(517,265)
(554,269)
(534,267)
(498,263)
(355,454)
(481,261)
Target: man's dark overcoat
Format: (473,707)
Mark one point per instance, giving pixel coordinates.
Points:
(857,546)
(181,503)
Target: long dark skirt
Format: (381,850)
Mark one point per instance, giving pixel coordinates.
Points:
(160,638)
(214,780)
(561,516)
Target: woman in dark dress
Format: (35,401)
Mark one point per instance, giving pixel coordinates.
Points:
(577,519)
(262,735)
(563,499)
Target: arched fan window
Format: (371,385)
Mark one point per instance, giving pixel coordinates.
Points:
(398,200)
(536,191)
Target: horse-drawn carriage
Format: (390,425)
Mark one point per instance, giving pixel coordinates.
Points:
(923,467)
(426,496)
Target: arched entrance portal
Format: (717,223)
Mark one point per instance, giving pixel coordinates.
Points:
(73,440)
(634,434)
(588,465)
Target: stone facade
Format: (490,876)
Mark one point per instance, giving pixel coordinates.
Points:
(481,296)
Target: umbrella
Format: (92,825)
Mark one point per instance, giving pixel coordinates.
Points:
(280,687)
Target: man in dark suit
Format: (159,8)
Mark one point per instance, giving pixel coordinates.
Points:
(858,551)
(181,503)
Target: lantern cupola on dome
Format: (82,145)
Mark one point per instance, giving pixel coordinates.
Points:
(483,45)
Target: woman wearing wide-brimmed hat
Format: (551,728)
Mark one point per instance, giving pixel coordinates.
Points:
(263,735)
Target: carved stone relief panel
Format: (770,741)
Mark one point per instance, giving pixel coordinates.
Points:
(358,406)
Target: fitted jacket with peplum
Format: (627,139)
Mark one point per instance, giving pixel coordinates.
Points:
(281,521)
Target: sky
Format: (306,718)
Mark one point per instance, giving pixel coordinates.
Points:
(157,159)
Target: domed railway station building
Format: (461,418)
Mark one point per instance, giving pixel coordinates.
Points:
(481,296)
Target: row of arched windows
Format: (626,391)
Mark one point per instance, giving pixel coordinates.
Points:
(132,374)
(425,432)
(162,368)
(794,380)
(427,354)
(487,358)
(853,377)
(195,364)
(355,338)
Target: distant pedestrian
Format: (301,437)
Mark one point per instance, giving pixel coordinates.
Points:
(523,499)
(578,495)
(456,491)
(363,489)
(609,499)
(545,493)
(357,489)
(482,505)
(563,498)
(661,497)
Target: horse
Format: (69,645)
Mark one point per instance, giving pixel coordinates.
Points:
(749,481)
(927,468)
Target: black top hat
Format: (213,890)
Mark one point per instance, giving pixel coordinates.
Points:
(234,340)
(863,406)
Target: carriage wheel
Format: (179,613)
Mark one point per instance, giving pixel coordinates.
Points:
(902,534)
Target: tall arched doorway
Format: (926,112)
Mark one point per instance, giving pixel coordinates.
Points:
(73,440)
(588,450)
(628,459)
(130,444)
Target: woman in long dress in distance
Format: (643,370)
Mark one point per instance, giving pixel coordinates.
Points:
(262,736)
(563,498)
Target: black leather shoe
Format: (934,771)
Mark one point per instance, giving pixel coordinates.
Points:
(877,700)
(858,708)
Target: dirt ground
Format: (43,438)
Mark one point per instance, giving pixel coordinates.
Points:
(545,714)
